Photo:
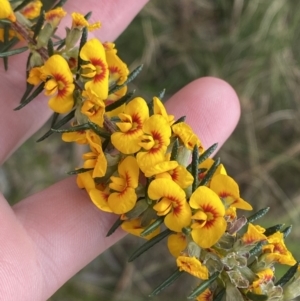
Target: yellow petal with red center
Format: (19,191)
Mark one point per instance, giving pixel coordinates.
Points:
(163,206)
(118,70)
(100,199)
(276,250)
(253,235)
(182,177)
(179,217)
(208,201)
(6,11)
(187,136)
(61,81)
(135,113)
(129,170)
(93,52)
(176,244)
(201,218)
(159,132)
(180,213)
(207,295)
(134,227)
(118,184)
(160,168)
(160,109)
(228,190)
(122,202)
(192,266)
(32,10)
(209,234)
(126,122)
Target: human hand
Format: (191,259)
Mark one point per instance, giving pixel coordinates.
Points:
(48,237)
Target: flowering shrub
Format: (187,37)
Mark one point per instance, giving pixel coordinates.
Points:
(145,166)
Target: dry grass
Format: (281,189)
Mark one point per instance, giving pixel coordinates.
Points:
(253,44)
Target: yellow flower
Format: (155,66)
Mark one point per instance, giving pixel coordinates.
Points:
(6,11)
(208,222)
(93,107)
(176,243)
(36,76)
(276,251)
(32,9)
(171,202)
(124,199)
(98,193)
(78,21)
(54,16)
(96,158)
(134,227)
(192,266)
(59,81)
(253,235)
(118,70)
(187,136)
(160,109)
(135,113)
(96,70)
(264,277)
(155,141)
(207,164)
(78,137)
(207,295)
(228,190)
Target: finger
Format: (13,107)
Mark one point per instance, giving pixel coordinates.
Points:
(69,231)
(18,126)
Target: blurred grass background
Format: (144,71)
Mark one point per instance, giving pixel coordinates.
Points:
(253,45)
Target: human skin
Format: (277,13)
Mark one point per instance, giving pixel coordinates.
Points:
(48,237)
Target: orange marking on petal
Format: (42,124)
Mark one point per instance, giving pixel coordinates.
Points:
(101,69)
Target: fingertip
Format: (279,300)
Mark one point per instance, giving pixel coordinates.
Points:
(211,106)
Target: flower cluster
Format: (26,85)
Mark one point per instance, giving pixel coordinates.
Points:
(144,165)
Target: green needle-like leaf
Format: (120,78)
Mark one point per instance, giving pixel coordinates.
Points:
(174,152)
(152,227)
(219,295)
(54,119)
(83,40)
(50,48)
(150,243)
(260,213)
(114,227)
(28,90)
(60,123)
(77,171)
(203,286)
(167,283)
(207,153)
(23,4)
(210,173)
(33,95)
(181,119)
(77,128)
(130,78)
(271,230)
(256,297)
(13,52)
(288,275)
(119,102)
(195,156)
(257,248)
(60,3)
(88,15)
(286,232)
(98,130)
(39,24)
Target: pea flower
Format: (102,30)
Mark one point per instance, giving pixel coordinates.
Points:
(6,11)
(171,203)
(124,197)
(96,68)
(228,190)
(208,221)
(154,141)
(59,81)
(192,266)
(176,243)
(131,124)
